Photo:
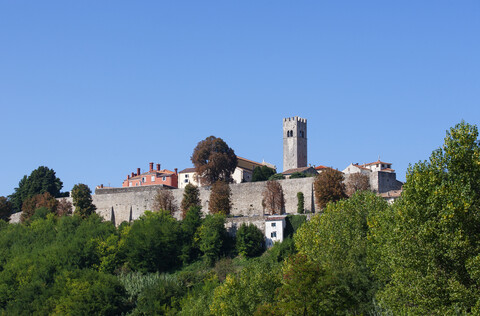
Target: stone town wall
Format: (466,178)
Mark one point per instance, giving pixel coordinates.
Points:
(127,204)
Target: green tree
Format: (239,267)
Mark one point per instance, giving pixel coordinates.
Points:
(189,226)
(249,241)
(191,197)
(41,180)
(213,160)
(300,203)
(153,243)
(329,187)
(429,242)
(6,208)
(220,198)
(262,173)
(82,200)
(337,242)
(211,237)
(277,176)
(297,175)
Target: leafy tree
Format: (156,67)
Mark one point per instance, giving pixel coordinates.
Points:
(337,243)
(297,175)
(165,201)
(160,298)
(293,223)
(41,180)
(30,205)
(191,197)
(262,173)
(300,203)
(220,198)
(356,182)
(249,241)
(64,207)
(273,198)
(277,176)
(213,160)
(329,187)
(6,208)
(82,200)
(429,242)
(153,243)
(189,226)
(211,236)
(255,285)
(87,292)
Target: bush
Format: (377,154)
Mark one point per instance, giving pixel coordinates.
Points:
(250,241)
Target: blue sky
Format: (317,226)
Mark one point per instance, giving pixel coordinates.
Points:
(95,89)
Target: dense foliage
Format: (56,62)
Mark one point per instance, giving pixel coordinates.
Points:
(273,198)
(360,256)
(191,197)
(214,160)
(220,198)
(82,200)
(262,173)
(329,187)
(41,180)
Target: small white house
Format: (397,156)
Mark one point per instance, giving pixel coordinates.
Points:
(274,229)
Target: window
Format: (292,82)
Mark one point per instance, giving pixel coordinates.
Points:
(164,178)
(130,184)
(302,134)
(186,176)
(274,224)
(273,235)
(153,178)
(186,180)
(144,179)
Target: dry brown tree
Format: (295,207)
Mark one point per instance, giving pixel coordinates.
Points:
(273,199)
(220,198)
(164,200)
(64,207)
(30,205)
(329,187)
(213,161)
(356,182)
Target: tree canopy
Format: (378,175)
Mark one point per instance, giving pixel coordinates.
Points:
(82,200)
(329,187)
(213,160)
(220,198)
(429,243)
(41,180)
(191,197)
(262,173)
(273,198)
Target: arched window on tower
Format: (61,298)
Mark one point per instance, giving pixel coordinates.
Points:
(302,135)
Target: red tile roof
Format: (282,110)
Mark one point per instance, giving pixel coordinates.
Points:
(377,162)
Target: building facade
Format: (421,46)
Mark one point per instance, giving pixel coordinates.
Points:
(152,177)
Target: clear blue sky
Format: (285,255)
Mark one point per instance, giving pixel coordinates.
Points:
(95,89)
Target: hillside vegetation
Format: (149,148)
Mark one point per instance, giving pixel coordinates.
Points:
(360,256)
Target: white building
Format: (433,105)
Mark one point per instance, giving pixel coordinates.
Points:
(274,229)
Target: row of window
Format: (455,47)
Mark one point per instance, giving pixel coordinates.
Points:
(290,134)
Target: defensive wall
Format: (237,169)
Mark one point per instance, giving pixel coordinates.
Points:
(127,204)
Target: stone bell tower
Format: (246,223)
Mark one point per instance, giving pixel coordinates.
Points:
(294,142)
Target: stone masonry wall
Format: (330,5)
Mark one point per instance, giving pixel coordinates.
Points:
(126,204)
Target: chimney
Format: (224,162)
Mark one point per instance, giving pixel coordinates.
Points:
(133,175)
(138,171)
(101,186)
(158,167)
(176,171)
(128,177)
(151,166)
